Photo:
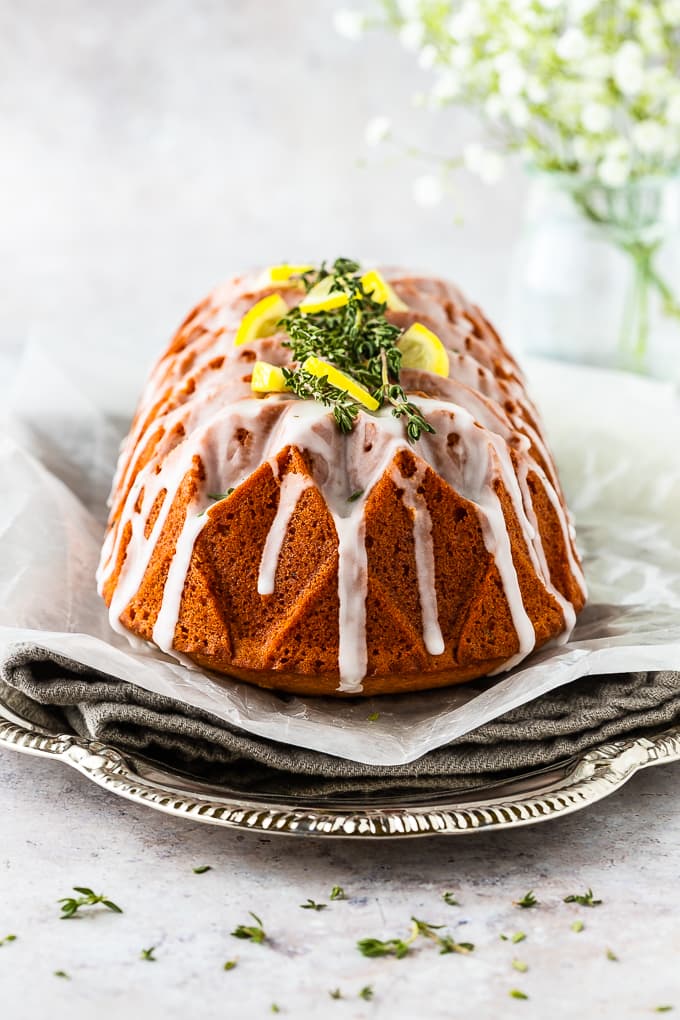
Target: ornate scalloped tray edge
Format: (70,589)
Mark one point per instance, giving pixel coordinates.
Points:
(533,797)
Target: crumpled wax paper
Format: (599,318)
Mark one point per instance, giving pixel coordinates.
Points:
(617,443)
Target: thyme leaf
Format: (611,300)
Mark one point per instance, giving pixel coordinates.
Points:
(338,893)
(88,898)
(528,900)
(311,905)
(585,899)
(229,965)
(201,869)
(62,974)
(515,993)
(147,954)
(366,993)
(7,939)
(254,932)
(450,898)
(578,926)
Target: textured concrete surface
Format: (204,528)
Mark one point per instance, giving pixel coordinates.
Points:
(59,830)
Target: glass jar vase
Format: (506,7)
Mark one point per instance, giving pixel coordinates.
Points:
(596,274)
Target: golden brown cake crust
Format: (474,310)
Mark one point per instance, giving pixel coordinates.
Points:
(461,542)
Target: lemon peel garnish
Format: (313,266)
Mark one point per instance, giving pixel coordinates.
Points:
(422,349)
(261,319)
(284,275)
(320,298)
(376,285)
(266,378)
(315,366)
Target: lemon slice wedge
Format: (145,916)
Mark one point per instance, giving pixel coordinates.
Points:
(266,378)
(422,349)
(282,275)
(341,381)
(376,285)
(320,299)
(261,319)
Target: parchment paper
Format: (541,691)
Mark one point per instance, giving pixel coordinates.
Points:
(617,443)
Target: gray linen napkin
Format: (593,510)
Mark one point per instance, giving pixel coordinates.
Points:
(64,696)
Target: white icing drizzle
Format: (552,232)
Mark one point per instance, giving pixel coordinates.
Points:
(292,487)
(424,553)
(216,434)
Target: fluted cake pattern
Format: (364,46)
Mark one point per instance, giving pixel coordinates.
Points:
(339,563)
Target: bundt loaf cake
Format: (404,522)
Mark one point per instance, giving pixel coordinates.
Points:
(335,483)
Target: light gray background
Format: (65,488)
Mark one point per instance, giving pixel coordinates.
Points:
(148,150)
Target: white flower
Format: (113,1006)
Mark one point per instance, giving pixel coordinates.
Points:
(579,8)
(465,22)
(536,91)
(571,45)
(411,35)
(377,130)
(485,163)
(596,117)
(670,11)
(628,70)
(648,136)
(409,9)
(446,87)
(495,107)
(427,191)
(349,24)
(613,172)
(428,57)
(511,74)
(518,112)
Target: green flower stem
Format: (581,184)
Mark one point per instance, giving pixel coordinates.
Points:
(635,327)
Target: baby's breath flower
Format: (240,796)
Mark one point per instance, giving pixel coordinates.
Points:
(411,35)
(648,136)
(596,117)
(349,24)
(485,163)
(377,130)
(427,190)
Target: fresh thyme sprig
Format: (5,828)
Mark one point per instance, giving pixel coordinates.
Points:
(400,947)
(585,899)
(309,387)
(312,905)
(528,900)
(88,898)
(358,339)
(254,932)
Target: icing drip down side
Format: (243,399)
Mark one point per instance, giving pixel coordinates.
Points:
(199,430)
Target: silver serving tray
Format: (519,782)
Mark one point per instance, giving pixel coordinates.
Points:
(535,796)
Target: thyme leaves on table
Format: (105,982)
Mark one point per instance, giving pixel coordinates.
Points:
(586,899)
(254,932)
(70,905)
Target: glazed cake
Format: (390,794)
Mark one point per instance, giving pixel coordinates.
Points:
(264,536)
